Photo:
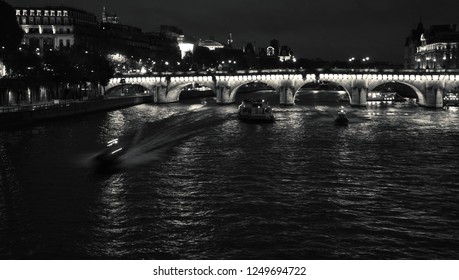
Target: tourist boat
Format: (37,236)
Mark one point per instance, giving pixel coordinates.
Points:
(341,119)
(451,99)
(109,159)
(255,111)
(381,96)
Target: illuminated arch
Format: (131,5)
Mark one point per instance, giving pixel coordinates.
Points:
(419,94)
(116,90)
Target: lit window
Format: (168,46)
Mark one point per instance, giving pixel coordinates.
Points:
(24,12)
(66,14)
(53,13)
(32,12)
(46,13)
(59,13)
(39,13)
(18,12)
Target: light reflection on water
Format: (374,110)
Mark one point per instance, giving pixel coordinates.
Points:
(301,188)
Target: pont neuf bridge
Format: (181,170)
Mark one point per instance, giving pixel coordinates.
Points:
(429,86)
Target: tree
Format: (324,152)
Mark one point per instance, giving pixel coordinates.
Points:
(10,34)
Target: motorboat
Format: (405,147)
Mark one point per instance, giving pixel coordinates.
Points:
(255,111)
(109,158)
(341,119)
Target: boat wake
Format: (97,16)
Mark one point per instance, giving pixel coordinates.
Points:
(154,141)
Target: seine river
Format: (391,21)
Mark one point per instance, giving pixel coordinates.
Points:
(384,187)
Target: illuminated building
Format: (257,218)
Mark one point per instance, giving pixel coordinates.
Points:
(286,54)
(2,69)
(230,40)
(186,44)
(210,44)
(437,48)
(57,27)
(109,18)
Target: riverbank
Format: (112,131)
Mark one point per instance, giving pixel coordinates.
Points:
(15,116)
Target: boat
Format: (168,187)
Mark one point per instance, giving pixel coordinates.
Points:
(255,111)
(451,99)
(109,159)
(381,96)
(341,119)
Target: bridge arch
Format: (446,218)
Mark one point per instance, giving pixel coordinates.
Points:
(238,86)
(417,91)
(346,85)
(126,90)
(174,89)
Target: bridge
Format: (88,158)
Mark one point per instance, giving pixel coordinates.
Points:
(429,86)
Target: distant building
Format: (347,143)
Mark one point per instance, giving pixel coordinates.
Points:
(57,27)
(286,54)
(185,43)
(126,39)
(230,40)
(2,69)
(437,48)
(413,41)
(109,18)
(210,44)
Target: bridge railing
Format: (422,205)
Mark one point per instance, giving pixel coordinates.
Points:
(390,71)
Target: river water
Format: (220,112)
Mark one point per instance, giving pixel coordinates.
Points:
(384,187)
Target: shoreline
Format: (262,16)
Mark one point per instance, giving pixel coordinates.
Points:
(29,115)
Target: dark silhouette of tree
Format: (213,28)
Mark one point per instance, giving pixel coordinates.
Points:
(275,44)
(10,34)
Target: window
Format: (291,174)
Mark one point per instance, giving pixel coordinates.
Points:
(66,14)
(31,20)
(59,13)
(45,21)
(32,12)
(37,20)
(53,13)
(18,12)
(46,13)
(61,42)
(58,20)
(24,12)
(67,43)
(52,21)
(38,13)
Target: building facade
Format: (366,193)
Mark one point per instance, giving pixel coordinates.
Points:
(435,48)
(57,27)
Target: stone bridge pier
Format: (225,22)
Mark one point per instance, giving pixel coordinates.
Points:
(429,88)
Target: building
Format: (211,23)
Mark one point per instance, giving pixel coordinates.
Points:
(286,54)
(109,18)
(413,41)
(57,27)
(2,69)
(125,39)
(436,48)
(211,44)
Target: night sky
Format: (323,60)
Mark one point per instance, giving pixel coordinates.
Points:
(328,29)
